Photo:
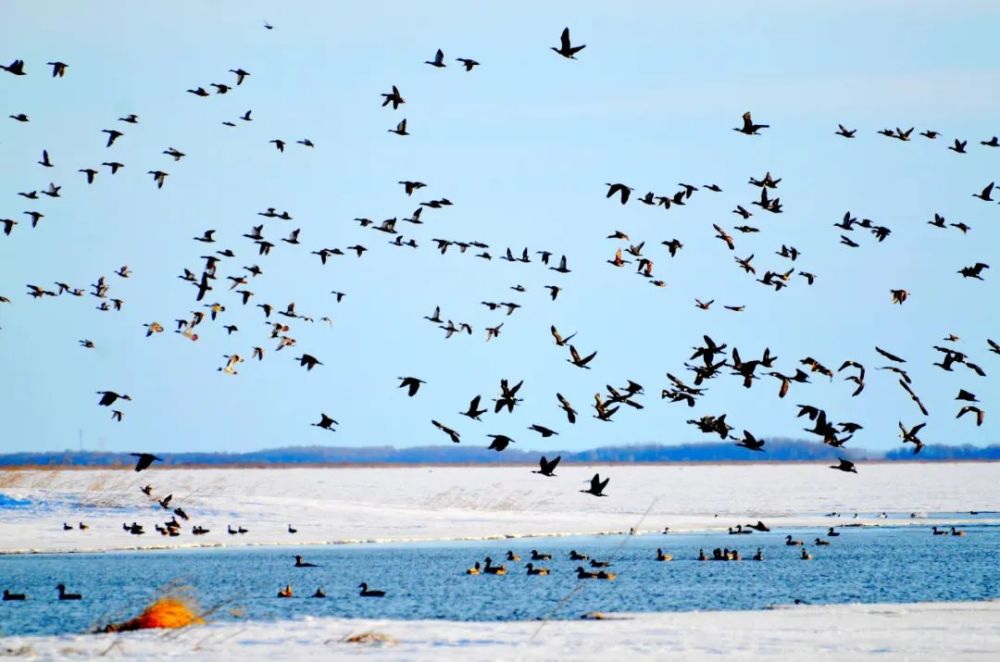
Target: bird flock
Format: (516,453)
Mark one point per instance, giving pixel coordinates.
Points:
(224,266)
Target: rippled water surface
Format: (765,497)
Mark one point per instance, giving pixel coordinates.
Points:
(427,580)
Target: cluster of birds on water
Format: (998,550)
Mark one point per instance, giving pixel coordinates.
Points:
(586,568)
(707,362)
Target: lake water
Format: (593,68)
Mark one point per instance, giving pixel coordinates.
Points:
(427,580)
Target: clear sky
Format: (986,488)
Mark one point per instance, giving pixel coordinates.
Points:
(523,146)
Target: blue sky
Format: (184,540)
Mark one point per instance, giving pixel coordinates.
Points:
(523,146)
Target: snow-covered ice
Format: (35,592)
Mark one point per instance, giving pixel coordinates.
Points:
(358,504)
(927,631)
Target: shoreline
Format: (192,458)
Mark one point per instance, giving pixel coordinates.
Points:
(776,525)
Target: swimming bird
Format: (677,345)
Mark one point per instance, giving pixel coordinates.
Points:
(63,595)
(8,596)
(566,49)
(299,563)
(532,570)
(491,569)
(369,593)
(474,570)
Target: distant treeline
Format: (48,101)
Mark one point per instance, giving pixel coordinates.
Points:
(778,450)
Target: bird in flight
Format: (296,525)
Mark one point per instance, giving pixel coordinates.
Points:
(145,460)
(566,49)
(749,128)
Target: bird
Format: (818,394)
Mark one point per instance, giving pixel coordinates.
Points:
(845,465)
(542,430)
(959,146)
(326,423)
(45,159)
(899,296)
(145,460)
(278,143)
(500,442)
(108,398)
(841,131)
(621,189)
(749,128)
(113,135)
(980,414)
(308,361)
(597,486)
(240,75)
(467,63)
(474,412)
(438,60)
(985,193)
(566,49)
(16,68)
(400,129)
(299,563)
(577,360)
(63,595)
(547,467)
(369,593)
(452,434)
(412,384)
(394,97)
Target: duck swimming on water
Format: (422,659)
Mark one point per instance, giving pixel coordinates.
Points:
(660,556)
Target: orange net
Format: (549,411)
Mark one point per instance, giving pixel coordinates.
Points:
(167,612)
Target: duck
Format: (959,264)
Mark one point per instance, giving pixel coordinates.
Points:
(474,570)
(511,556)
(319,593)
(285,592)
(701,555)
(610,576)
(577,556)
(820,541)
(67,527)
(938,532)
(661,556)
(532,570)
(299,563)
(830,533)
(491,569)
(956,532)
(734,555)
(792,543)
(63,595)
(806,556)
(536,556)
(292,530)
(8,596)
(759,556)
(368,593)
(594,563)
(583,574)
